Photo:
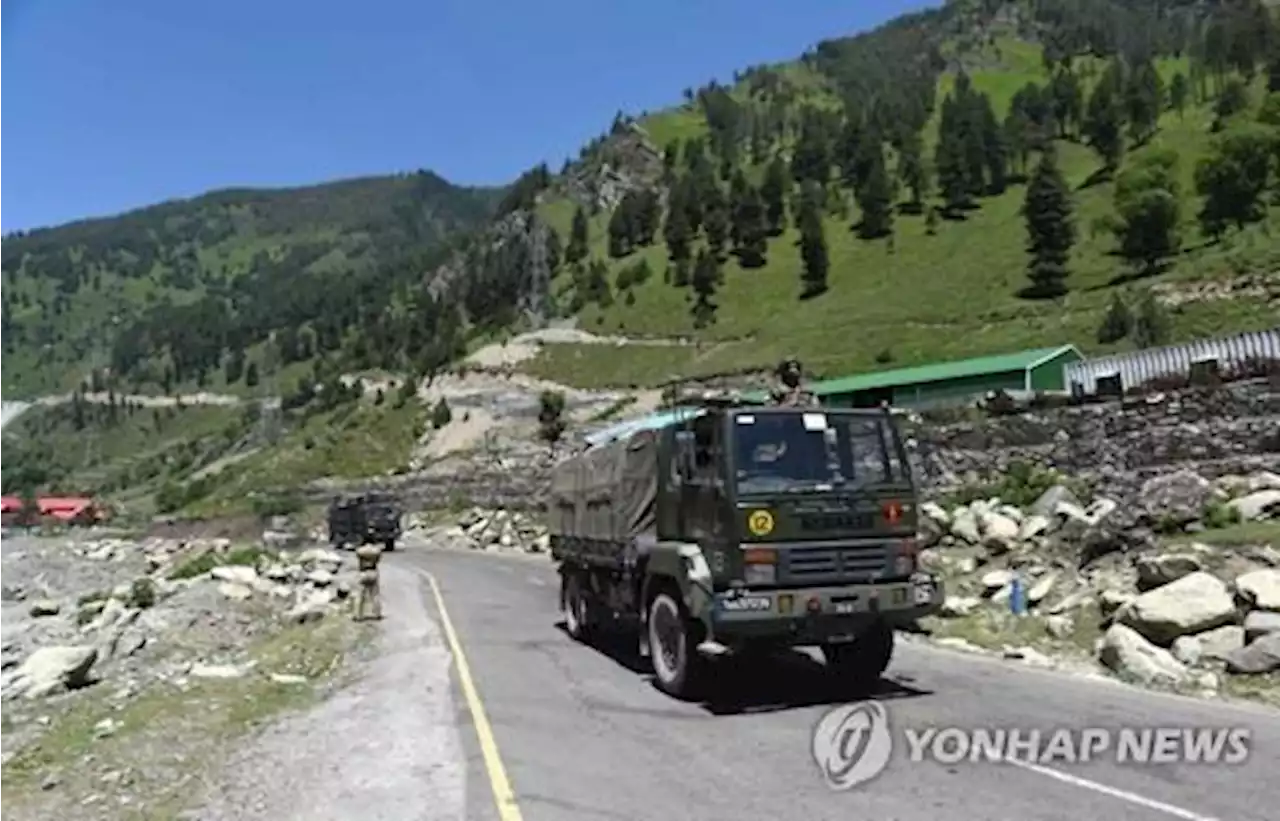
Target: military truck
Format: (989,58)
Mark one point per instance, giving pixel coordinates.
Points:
(732,528)
(368,518)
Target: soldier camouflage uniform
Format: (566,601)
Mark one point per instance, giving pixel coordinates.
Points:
(369,594)
(791,392)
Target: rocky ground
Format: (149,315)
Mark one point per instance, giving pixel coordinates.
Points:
(1179,592)
(1153,591)
(131,665)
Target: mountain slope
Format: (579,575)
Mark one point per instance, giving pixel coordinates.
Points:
(928,280)
(188,266)
(861,208)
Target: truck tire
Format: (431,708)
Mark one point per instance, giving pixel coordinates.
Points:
(577,609)
(389,545)
(677,666)
(860,664)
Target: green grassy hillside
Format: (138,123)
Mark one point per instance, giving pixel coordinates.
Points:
(919,293)
(864,207)
(207,460)
(165,294)
(115,449)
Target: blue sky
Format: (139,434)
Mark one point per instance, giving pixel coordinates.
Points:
(115,105)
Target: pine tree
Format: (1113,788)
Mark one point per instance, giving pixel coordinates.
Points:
(949,160)
(1150,323)
(1179,92)
(1050,229)
(706,276)
(1067,98)
(811,160)
(813,242)
(875,198)
(578,238)
(774,191)
(969,124)
(715,220)
(749,229)
(1104,119)
(1144,100)
(1273,67)
(912,171)
(1117,322)
(995,155)
(645,218)
(676,232)
(620,228)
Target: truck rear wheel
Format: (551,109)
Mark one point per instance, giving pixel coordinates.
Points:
(389,545)
(577,609)
(672,647)
(861,663)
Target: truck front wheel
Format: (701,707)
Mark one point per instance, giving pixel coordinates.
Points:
(861,663)
(676,663)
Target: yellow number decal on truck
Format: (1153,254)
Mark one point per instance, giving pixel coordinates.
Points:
(760,522)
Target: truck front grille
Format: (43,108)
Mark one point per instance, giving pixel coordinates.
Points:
(826,522)
(819,565)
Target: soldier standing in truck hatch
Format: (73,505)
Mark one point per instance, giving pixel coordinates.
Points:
(791,392)
(369,594)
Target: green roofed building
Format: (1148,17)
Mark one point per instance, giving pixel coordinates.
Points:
(1040,369)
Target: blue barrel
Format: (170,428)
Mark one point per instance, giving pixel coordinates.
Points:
(1017,597)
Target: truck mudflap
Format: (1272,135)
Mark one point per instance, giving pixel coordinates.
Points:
(823,613)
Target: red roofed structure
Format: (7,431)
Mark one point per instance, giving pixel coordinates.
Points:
(62,508)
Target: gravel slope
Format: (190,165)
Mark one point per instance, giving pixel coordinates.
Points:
(385,747)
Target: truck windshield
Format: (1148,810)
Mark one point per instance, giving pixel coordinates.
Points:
(795,452)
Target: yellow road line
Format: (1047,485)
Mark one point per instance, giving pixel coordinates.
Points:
(503,795)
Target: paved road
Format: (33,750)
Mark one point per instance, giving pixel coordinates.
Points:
(582,736)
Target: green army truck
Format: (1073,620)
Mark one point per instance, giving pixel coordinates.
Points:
(367,518)
(729,528)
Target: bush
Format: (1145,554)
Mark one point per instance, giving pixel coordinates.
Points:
(1021,486)
(199,565)
(142,594)
(1218,515)
(276,504)
(551,423)
(441,415)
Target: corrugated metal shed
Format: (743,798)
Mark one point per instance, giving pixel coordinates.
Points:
(1138,367)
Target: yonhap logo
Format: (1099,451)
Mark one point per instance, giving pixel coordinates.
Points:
(852,744)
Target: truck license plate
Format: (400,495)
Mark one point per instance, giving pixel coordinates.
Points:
(923,593)
(844,607)
(747,604)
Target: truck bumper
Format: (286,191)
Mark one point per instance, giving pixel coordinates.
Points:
(820,615)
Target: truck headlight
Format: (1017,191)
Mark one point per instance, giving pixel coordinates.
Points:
(904,562)
(760,574)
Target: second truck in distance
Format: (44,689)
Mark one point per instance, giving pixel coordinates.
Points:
(727,528)
(367,518)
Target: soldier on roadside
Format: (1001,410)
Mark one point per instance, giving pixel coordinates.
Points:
(369,594)
(790,391)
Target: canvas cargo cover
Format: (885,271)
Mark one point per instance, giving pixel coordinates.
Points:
(609,492)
